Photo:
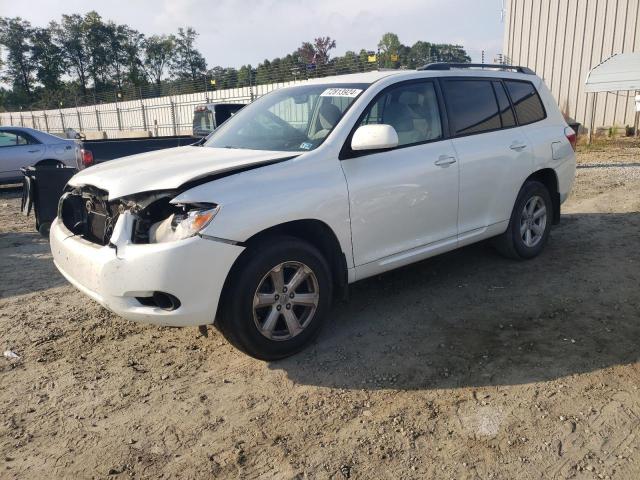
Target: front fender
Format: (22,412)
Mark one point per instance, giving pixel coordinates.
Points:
(306,187)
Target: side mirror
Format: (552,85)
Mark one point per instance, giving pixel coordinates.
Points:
(374,137)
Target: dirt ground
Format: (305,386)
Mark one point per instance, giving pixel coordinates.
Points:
(465,366)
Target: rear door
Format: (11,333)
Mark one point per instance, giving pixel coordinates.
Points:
(17,150)
(494,154)
(406,197)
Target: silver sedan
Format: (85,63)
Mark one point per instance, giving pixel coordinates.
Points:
(24,147)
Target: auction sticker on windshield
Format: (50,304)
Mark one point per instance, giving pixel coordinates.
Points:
(341,92)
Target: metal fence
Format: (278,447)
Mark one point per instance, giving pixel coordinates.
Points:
(166,108)
(160,116)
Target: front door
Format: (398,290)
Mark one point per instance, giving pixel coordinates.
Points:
(406,197)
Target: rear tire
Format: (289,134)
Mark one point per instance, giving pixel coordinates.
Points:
(276,299)
(529,225)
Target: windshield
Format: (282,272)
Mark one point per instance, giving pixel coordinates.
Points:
(292,119)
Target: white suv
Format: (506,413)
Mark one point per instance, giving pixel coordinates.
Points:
(311,188)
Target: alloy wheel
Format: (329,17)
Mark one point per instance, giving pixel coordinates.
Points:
(285,301)
(533,221)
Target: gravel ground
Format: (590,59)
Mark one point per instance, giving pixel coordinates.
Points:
(465,366)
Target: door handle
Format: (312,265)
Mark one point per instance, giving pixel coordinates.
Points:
(444,161)
(33,151)
(518,146)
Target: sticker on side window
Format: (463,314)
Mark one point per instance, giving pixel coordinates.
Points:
(341,92)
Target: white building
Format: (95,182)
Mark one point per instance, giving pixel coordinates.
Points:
(562,40)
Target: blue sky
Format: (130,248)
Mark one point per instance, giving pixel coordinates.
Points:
(233,33)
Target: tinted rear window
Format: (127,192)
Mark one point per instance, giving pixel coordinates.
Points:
(223,112)
(526,101)
(203,120)
(506,112)
(472,106)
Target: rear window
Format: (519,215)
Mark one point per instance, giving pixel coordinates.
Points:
(472,106)
(506,112)
(223,112)
(526,101)
(203,120)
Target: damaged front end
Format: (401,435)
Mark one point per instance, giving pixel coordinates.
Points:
(87,211)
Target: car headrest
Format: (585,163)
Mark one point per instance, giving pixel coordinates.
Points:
(399,116)
(409,98)
(328,115)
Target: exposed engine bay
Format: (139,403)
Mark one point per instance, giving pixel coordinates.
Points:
(86,211)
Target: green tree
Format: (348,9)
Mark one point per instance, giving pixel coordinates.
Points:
(186,61)
(157,53)
(246,76)
(123,57)
(4,96)
(422,53)
(97,38)
(49,59)
(451,53)
(264,73)
(350,62)
(19,68)
(389,47)
(132,46)
(70,35)
(224,77)
(45,66)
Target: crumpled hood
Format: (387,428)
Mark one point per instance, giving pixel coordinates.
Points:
(169,168)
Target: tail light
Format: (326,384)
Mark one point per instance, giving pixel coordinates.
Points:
(87,157)
(571,135)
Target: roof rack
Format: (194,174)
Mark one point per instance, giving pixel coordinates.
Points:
(496,66)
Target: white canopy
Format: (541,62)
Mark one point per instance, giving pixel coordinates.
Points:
(620,72)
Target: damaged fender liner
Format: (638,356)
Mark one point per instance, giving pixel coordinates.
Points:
(86,211)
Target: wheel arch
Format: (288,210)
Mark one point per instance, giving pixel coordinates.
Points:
(549,178)
(313,231)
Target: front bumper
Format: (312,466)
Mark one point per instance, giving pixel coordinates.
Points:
(193,270)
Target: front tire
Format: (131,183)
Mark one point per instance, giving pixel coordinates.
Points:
(276,299)
(530,223)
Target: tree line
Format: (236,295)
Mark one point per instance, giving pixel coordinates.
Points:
(81,57)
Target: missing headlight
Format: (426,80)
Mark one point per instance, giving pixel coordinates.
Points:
(158,220)
(148,209)
(185,223)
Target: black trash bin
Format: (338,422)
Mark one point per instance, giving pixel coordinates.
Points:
(42,188)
